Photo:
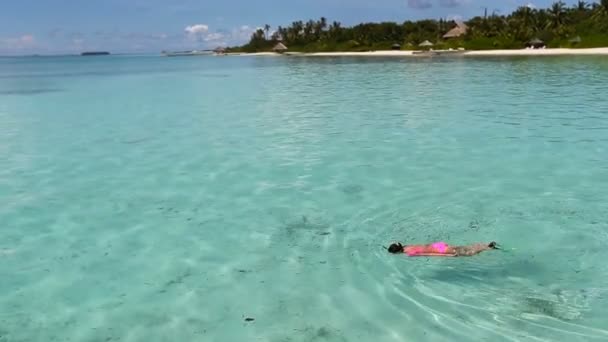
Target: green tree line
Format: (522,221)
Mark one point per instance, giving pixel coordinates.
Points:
(582,25)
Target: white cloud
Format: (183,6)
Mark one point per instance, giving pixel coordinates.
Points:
(26,39)
(25,43)
(197,29)
(419,4)
(454,17)
(211,37)
(22,42)
(197,32)
(531,5)
(54,33)
(241,35)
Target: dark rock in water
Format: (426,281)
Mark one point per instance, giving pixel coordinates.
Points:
(324,233)
(95,53)
(249,319)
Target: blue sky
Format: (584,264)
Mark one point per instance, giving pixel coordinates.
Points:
(66,26)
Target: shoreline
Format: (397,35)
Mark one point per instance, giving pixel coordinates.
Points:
(541,52)
(474,53)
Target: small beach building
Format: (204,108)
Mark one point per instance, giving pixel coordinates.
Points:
(396,46)
(280,48)
(426,44)
(575,40)
(459,30)
(535,44)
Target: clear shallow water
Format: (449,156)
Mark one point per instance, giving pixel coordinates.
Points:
(151,199)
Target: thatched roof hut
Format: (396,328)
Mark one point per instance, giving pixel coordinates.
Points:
(459,30)
(396,46)
(426,43)
(280,47)
(535,43)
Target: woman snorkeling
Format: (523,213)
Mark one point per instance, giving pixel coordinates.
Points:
(441,249)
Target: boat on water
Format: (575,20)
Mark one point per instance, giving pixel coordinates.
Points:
(187,53)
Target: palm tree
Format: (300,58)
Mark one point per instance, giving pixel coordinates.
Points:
(557,17)
(295,31)
(309,28)
(259,33)
(323,23)
(280,34)
(600,13)
(581,6)
(334,30)
(266,29)
(523,23)
(603,7)
(578,12)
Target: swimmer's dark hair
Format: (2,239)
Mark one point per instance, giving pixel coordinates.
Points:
(494,245)
(395,248)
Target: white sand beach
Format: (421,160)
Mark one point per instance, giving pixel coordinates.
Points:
(539,52)
(386,53)
(402,53)
(268,54)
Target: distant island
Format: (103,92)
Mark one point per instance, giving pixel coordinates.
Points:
(583,25)
(95,53)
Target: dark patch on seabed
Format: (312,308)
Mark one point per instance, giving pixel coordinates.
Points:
(135,141)
(474,225)
(313,334)
(477,224)
(25,92)
(215,75)
(304,224)
(305,234)
(179,279)
(549,308)
(559,209)
(352,189)
(493,275)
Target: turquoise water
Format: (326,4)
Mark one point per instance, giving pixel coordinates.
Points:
(154,199)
